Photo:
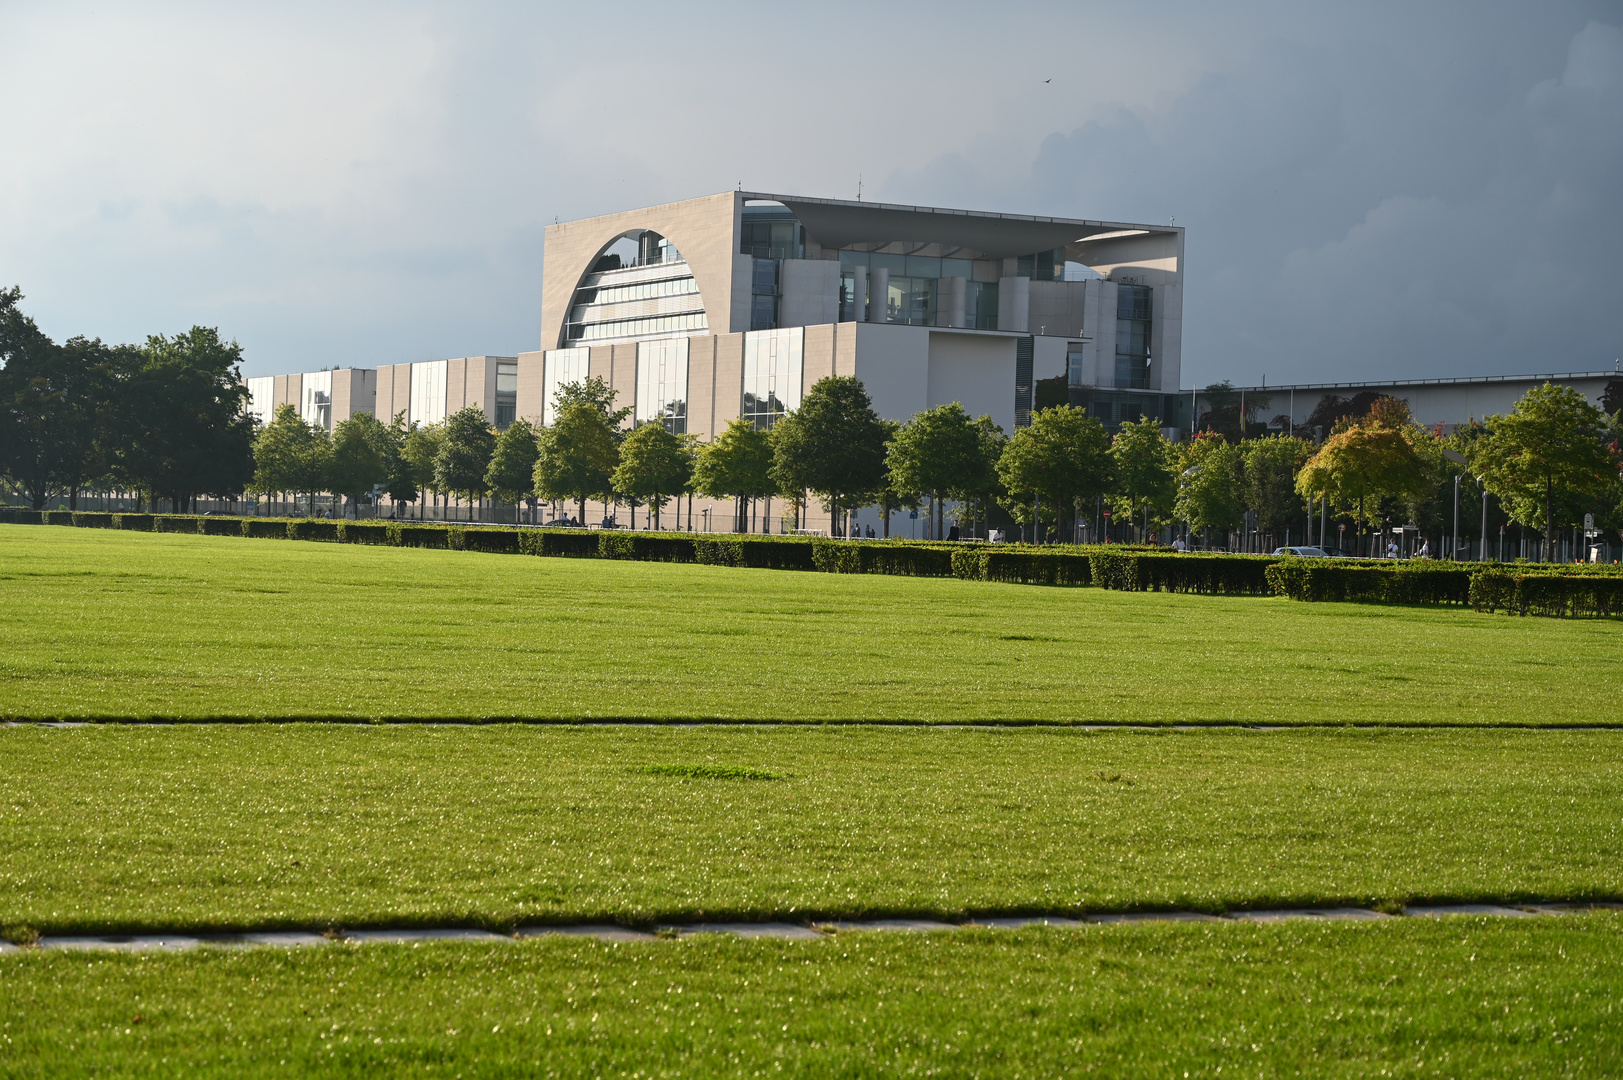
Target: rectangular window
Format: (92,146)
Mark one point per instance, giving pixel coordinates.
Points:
(564,367)
(316,404)
(1024,359)
(911,300)
(773,368)
(662,383)
(1073,364)
(980,305)
(506,395)
(427,392)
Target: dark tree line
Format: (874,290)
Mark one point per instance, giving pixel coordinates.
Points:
(164,419)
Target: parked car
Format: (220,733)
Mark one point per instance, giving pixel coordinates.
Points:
(1338,553)
(1303,552)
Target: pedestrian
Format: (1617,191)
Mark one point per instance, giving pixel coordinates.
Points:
(952,533)
(1425,550)
(1179,546)
(1391,549)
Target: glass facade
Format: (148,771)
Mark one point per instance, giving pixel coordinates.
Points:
(647,290)
(980,305)
(633,328)
(914,291)
(1024,361)
(771,236)
(773,369)
(315,404)
(427,392)
(911,300)
(653,296)
(1042,266)
(764,292)
(1133,336)
(662,383)
(563,367)
(506,394)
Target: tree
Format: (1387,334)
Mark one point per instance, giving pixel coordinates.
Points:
(419,450)
(363,456)
(466,448)
(737,465)
(184,430)
(833,445)
(402,480)
(1268,485)
(596,393)
(511,476)
(981,485)
(1549,449)
(1145,486)
(1369,459)
(654,465)
(936,452)
(291,455)
(576,456)
(54,406)
(1209,483)
(1061,458)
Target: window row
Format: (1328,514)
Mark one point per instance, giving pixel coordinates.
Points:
(644,290)
(625,328)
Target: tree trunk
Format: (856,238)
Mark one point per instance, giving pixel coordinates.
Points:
(1549,520)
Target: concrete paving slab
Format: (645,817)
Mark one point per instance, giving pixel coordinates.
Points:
(601,931)
(1437,911)
(287,939)
(1154,916)
(787,931)
(915,926)
(1017,921)
(121,943)
(7,947)
(413,936)
(1340,914)
(1576,907)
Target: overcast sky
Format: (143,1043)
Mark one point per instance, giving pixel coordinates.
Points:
(1370,191)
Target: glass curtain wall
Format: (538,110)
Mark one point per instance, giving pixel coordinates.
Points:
(563,368)
(261,391)
(1133,336)
(506,395)
(662,383)
(773,369)
(316,404)
(428,392)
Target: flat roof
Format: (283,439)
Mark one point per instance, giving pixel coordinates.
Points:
(1466,381)
(838,223)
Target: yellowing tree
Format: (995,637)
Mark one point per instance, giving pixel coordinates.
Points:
(1370,459)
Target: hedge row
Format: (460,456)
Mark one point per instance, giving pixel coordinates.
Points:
(1522,592)
(1371,583)
(1155,571)
(1023,566)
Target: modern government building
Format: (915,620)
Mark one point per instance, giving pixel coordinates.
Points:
(697,313)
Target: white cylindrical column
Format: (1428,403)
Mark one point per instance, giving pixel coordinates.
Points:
(880,300)
(859,293)
(957,297)
(1014,304)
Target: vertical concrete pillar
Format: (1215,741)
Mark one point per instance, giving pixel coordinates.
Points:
(859,293)
(957,301)
(1014,304)
(880,301)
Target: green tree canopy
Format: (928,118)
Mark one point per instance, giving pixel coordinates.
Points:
(1367,460)
(1062,458)
(511,476)
(595,393)
(833,445)
(420,450)
(466,448)
(363,455)
(654,465)
(1209,494)
(291,455)
(402,479)
(1550,450)
(1145,486)
(1268,486)
(938,452)
(576,456)
(737,465)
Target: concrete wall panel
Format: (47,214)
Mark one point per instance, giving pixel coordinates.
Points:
(976,370)
(729,383)
(532,386)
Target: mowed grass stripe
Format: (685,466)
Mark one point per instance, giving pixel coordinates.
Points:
(120,625)
(304,826)
(1511,998)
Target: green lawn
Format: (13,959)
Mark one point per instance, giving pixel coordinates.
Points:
(1410,997)
(122,625)
(311,825)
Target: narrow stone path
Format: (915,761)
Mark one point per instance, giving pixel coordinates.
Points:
(779,930)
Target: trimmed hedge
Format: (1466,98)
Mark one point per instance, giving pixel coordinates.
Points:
(364,532)
(559,543)
(265,528)
(1022,566)
(313,529)
(220,526)
(56,517)
(423,536)
(174,523)
(494,541)
(133,522)
(1153,571)
(93,520)
(755,552)
(17,515)
(646,547)
(881,557)
(1518,592)
(1319,580)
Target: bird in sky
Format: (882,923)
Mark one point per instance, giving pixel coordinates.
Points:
(1048,80)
